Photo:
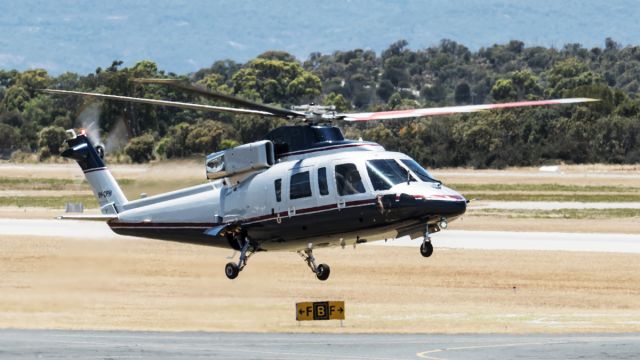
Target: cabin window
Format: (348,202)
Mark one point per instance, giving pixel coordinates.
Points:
(418,170)
(278,187)
(300,186)
(385,173)
(348,180)
(322,181)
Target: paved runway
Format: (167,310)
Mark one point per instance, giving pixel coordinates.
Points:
(57,344)
(551,205)
(516,240)
(457,239)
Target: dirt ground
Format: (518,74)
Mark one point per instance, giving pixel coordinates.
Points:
(150,285)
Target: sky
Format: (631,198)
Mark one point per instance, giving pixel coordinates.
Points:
(183,36)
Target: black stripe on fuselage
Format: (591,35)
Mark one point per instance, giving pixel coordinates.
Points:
(313,222)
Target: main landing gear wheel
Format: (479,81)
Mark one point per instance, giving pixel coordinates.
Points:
(322,271)
(232,270)
(426,249)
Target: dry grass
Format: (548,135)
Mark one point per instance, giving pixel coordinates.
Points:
(143,284)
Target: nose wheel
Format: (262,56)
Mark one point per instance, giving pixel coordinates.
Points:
(426,248)
(322,271)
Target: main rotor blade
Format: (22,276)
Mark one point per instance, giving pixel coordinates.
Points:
(160,102)
(448,110)
(178,84)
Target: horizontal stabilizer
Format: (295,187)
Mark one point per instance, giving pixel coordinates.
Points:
(88,217)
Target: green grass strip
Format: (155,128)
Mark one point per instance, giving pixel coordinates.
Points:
(21,183)
(51,202)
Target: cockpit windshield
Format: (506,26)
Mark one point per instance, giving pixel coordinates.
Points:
(420,172)
(386,173)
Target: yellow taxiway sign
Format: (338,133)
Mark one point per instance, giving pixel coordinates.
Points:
(320,310)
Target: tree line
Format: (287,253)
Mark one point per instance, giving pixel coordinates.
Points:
(32,123)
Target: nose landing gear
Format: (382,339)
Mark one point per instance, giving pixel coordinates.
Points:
(426,248)
(322,271)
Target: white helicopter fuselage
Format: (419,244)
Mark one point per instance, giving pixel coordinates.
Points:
(299,201)
(301,187)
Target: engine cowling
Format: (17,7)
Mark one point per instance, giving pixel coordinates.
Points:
(240,160)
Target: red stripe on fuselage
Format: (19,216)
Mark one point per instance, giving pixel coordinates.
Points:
(268,217)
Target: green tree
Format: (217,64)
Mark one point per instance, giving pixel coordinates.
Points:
(526,84)
(140,149)
(9,139)
(34,80)
(12,118)
(338,101)
(569,74)
(276,81)
(462,94)
(50,140)
(175,143)
(15,99)
(205,137)
(145,69)
(504,90)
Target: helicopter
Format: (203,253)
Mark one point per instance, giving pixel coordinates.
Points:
(303,186)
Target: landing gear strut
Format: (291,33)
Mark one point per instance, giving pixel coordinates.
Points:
(322,271)
(232,269)
(426,249)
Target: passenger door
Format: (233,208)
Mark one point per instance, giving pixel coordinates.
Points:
(300,194)
(324,185)
(350,186)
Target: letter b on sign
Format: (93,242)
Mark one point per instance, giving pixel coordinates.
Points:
(321,310)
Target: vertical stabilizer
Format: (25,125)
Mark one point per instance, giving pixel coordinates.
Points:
(104,186)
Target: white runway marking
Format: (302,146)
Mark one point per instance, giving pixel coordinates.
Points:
(427,354)
(534,174)
(552,205)
(57,228)
(457,239)
(512,240)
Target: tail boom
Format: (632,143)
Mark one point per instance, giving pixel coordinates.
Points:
(104,185)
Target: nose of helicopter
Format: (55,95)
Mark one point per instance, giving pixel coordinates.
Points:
(431,200)
(446,204)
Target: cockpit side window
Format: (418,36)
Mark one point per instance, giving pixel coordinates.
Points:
(322,181)
(278,188)
(385,173)
(419,170)
(348,180)
(300,186)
